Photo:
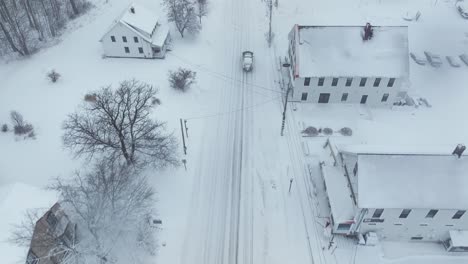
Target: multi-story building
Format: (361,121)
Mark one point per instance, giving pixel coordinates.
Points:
(334,64)
(400,194)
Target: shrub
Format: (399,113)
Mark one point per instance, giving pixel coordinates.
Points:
(4,128)
(20,127)
(182,79)
(327,131)
(346,131)
(53,76)
(90,98)
(311,131)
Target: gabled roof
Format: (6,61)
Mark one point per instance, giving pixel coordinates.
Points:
(405,179)
(141,19)
(144,22)
(339,51)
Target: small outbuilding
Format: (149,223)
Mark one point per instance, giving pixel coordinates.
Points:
(137,33)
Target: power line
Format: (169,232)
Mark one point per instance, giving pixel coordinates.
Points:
(221,75)
(233,111)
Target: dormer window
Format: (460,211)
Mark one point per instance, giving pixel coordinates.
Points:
(51,220)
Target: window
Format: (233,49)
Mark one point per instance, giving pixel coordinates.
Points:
(113,38)
(307,81)
(398,224)
(304,97)
(458,214)
(422,224)
(335,82)
(324,98)
(364,99)
(355,169)
(363,82)
(377,213)
(405,213)
(140,50)
(135,39)
(377,82)
(127,50)
(432,213)
(321,81)
(391,82)
(384,97)
(51,220)
(343,227)
(156,49)
(417,238)
(349,81)
(344,97)
(124,39)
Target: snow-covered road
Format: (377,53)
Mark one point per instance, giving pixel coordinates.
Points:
(240,208)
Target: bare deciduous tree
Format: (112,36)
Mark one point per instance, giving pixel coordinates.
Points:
(118,124)
(183,14)
(111,203)
(202,9)
(26,25)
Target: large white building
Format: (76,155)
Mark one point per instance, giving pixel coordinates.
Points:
(398,193)
(137,33)
(333,64)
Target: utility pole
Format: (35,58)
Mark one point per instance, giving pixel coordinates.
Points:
(287,65)
(290,184)
(284,110)
(183,137)
(186,128)
(270,7)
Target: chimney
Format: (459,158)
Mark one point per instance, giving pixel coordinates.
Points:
(132,9)
(368,32)
(459,150)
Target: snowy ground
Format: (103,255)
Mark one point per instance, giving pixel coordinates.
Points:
(232,205)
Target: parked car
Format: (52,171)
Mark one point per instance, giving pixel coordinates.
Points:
(462,7)
(247,60)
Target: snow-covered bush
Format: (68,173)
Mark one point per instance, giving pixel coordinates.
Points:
(20,127)
(182,79)
(53,76)
(327,131)
(311,131)
(4,128)
(346,131)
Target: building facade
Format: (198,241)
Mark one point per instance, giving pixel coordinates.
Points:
(53,234)
(334,65)
(400,195)
(138,33)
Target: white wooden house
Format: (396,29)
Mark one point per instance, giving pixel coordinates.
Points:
(398,193)
(333,64)
(137,33)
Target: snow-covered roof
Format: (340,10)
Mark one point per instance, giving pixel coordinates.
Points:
(340,51)
(141,19)
(339,194)
(160,35)
(459,238)
(412,181)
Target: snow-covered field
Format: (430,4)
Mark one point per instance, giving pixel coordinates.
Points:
(232,205)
